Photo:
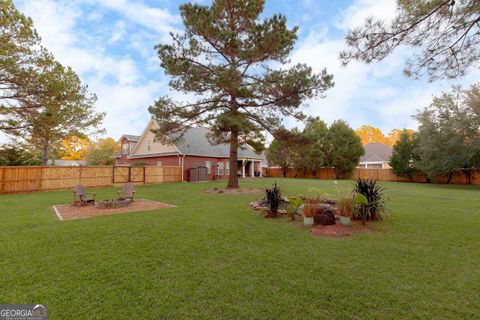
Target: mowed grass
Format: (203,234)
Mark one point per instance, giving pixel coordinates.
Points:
(212,257)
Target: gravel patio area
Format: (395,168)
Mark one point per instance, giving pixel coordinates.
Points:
(69,212)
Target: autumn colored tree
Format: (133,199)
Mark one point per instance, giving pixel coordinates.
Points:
(74,147)
(444,33)
(395,135)
(233,62)
(369,134)
(102,152)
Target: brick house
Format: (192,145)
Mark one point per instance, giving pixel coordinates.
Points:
(192,150)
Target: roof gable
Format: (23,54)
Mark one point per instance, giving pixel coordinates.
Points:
(376,152)
(156,147)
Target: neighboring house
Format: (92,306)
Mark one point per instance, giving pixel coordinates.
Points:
(67,163)
(192,150)
(377,156)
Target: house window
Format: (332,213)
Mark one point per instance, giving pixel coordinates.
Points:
(208,164)
(149,145)
(374,166)
(159,163)
(125,148)
(220,169)
(227,168)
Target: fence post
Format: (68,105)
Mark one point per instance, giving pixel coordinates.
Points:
(2,180)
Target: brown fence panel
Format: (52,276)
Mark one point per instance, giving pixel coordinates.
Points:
(98,176)
(172,174)
(121,174)
(378,174)
(29,179)
(153,175)
(20,179)
(60,177)
(137,174)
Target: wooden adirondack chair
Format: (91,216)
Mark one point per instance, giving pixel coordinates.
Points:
(127,192)
(81,197)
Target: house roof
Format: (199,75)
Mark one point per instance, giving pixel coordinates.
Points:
(195,142)
(376,152)
(131,137)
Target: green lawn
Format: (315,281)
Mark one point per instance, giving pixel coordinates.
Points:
(212,257)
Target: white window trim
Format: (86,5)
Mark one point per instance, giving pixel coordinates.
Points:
(208,164)
(220,168)
(227,168)
(127,149)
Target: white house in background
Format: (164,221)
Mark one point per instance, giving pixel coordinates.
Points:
(377,156)
(66,163)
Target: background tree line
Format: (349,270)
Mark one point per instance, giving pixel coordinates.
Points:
(317,146)
(447,140)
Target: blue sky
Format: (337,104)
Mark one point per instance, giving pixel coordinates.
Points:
(110,45)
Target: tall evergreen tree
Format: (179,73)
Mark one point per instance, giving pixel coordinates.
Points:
(67,109)
(235,65)
(345,149)
(22,63)
(404,156)
(312,153)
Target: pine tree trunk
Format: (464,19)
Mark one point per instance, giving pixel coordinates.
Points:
(45,153)
(233,178)
(450,175)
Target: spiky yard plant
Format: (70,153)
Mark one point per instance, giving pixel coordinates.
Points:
(274,198)
(373,192)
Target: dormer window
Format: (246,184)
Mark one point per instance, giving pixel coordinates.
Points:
(125,148)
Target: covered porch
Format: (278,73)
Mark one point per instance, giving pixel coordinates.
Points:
(249,168)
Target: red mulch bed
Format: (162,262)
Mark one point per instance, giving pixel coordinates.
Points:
(235,191)
(69,212)
(339,231)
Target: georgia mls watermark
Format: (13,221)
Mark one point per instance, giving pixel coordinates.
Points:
(23,312)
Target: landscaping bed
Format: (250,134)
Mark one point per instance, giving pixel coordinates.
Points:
(338,231)
(69,212)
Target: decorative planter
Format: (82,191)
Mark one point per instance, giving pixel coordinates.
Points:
(308,221)
(344,221)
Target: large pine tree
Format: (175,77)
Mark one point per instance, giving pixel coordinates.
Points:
(236,67)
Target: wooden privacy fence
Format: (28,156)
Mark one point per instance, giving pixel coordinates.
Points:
(29,179)
(378,174)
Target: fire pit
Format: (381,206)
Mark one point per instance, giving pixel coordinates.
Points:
(114,203)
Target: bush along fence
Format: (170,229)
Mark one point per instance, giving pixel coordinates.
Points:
(30,179)
(378,174)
